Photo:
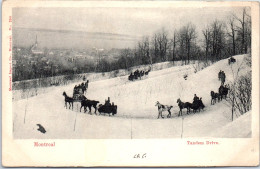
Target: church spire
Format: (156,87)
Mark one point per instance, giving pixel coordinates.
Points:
(36,43)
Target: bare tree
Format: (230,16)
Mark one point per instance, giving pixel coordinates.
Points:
(232,34)
(217,39)
(144,50)
(174,44)
(207,41)
(126,53)
(186,38)
(244,30)
(161,44)
(155,51)
(181,44)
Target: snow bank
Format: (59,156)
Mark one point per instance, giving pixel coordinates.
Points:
(240,127)
(137,113)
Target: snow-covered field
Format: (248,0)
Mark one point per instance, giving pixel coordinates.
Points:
(137,114)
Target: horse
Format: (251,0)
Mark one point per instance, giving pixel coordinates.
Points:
(68,100)
(147,72)
(131,77)
(162,108)
(89,103)
(223,91)
(214,97)
(136,74)
(183,105)
(141,73)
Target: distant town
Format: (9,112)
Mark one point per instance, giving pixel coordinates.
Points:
(34,62)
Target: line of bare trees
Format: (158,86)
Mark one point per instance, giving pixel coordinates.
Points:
(219,40)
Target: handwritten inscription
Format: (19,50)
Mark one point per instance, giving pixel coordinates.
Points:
(140,155)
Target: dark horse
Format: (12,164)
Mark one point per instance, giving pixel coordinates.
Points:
(214,97)
(68,100)
(147,72)
(136,74)
(183,105)
(89,103)
(141,74)
(162,108)
(223,91)
(131,77)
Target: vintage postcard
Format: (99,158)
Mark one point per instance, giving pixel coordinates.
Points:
(130,83)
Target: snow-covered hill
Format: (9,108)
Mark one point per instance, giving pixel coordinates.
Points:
(137,113)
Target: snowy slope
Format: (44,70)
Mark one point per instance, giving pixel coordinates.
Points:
(241,127)
(137,114)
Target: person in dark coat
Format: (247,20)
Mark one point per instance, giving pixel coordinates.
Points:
(107,102)
(75,90)
(201,103)
(196,98)
(223,79)
(86,84)
(219,75)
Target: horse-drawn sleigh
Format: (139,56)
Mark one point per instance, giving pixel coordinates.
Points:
(107,108)
(231,60)
(138,74)
(75,98)
(78,95)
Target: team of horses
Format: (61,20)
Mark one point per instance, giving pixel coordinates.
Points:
(196,105)
(138,74)
(222,94)
(78,96)
(105,109)
(222,91)
(88,104)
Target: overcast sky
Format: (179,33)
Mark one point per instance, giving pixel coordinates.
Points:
(122,22)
